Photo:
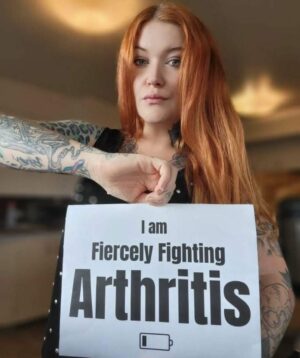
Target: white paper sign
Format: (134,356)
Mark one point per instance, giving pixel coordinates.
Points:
(179,280)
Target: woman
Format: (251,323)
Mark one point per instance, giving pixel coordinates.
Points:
(168,53)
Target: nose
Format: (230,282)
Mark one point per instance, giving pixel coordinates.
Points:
(154,76)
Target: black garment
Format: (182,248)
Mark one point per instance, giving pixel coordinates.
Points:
(109,141)
(295,354)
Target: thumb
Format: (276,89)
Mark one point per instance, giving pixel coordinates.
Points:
(165,172)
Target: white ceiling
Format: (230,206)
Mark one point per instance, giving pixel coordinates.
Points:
(254,37)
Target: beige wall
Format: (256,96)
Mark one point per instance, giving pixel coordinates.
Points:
(26,101)
(35,103)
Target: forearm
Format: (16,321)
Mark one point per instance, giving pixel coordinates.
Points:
(29,147)
(276,295)
(129,177)
(80,131)
(277,305)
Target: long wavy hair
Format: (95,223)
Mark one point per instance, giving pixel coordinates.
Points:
(212,137)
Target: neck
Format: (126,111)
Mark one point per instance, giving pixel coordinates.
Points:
(159,133)
(155,141)
(156,134)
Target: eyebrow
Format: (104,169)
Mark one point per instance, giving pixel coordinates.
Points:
(166,50)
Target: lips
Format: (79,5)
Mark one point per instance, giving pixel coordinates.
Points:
(154,96)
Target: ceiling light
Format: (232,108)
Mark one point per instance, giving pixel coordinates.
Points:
(93,16)
(259,97)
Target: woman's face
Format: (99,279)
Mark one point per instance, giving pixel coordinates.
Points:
(156,62)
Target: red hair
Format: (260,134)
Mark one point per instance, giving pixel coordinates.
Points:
(212,136)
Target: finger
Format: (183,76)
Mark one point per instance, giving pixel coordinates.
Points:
(156,203)
(148,199)
(158,199)
(142,198)
(165,171)
(151,182)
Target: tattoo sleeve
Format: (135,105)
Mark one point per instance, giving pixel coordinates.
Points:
(276,295)
(83,132)
(30,147)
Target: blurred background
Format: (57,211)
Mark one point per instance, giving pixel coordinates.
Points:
(58,61)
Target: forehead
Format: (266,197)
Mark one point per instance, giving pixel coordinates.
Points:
(157,36)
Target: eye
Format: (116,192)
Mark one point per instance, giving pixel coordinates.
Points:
(139,61)
(176,61)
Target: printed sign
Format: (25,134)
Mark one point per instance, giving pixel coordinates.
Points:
(180,280)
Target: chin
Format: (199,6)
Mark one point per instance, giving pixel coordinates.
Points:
(154,118)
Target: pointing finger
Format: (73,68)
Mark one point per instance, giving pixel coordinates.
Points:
(165,171)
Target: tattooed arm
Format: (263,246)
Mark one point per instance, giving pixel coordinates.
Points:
(276,295)
(129,177)
(29,147)
(83,132)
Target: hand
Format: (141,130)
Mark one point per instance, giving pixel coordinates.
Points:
(135,178)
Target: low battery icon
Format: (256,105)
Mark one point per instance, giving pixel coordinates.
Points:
(155,341)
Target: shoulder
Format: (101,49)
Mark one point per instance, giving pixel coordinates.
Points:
(268,245)
(266,230)
(110,140)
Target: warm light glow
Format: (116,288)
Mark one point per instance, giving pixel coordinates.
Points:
(93,16)
(259,97)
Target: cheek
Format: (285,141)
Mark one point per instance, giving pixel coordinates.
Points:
(136,88)
(175,84)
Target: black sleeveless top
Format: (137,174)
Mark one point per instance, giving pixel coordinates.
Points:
(88,192)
